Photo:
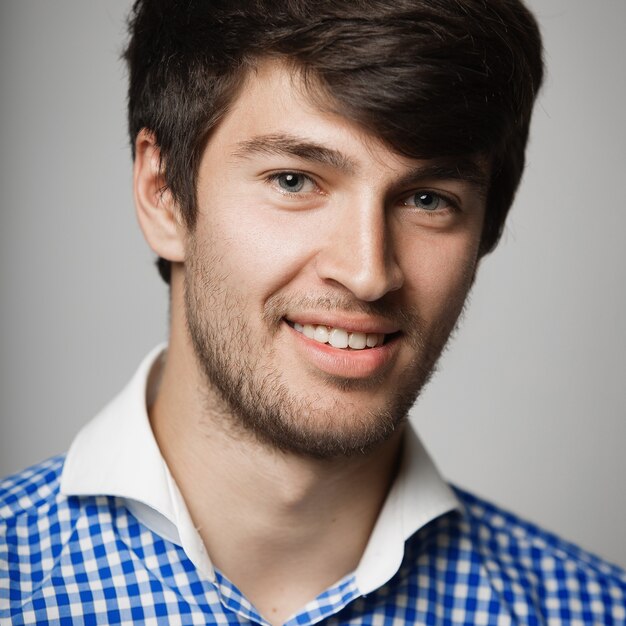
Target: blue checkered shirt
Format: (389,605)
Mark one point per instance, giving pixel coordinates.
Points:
(88,560)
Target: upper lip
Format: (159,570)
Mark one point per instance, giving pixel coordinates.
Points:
(349,322)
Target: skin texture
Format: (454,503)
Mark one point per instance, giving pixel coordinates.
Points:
(303,217)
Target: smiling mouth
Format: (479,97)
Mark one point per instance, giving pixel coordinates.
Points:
(342,338)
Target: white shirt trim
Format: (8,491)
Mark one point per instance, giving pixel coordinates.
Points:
(116,454)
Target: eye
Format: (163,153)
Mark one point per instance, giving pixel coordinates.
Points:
(430,202)
(293,182)
(427,200)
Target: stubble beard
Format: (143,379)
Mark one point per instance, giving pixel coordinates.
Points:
(248,398)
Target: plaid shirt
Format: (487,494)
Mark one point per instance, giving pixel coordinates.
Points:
(88,560)
(103,537)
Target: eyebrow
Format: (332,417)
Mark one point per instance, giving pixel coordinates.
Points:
(280,144)
(465,169)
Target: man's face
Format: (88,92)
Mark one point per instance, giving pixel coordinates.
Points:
(325,272)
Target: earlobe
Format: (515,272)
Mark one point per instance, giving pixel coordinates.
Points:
(157,212)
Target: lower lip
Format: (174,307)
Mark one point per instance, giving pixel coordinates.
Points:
(342,362)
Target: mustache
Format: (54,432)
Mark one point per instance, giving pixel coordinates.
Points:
(277,307)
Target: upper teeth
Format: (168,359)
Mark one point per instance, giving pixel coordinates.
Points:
(340,338)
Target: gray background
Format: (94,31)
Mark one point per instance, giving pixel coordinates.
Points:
(528,408)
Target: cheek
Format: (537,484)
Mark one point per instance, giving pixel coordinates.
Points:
(258,251)
(439,272)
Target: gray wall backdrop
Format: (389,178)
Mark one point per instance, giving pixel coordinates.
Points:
(528,408)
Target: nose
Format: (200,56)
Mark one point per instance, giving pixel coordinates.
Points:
(359,252)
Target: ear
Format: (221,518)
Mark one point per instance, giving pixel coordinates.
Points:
(157,213)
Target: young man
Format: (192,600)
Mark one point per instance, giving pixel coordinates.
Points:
(319,181)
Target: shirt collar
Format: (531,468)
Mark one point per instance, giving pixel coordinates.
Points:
(116,455)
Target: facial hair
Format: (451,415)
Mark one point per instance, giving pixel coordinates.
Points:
(250,396)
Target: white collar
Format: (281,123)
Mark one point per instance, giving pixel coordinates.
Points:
(116,455)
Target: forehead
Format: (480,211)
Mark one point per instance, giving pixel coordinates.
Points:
(279,109)
(279,98)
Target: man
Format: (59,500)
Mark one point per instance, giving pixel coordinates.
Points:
(319,181)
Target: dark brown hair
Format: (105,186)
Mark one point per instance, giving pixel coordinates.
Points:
(432,78)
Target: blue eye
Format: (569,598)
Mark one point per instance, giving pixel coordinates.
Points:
(427,201)
(291,182)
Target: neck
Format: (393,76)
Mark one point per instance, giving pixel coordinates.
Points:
(280,526)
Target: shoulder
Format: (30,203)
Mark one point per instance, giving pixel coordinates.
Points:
(83,557)
(35,522)
(51,543)
(31,490)
(529,565)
